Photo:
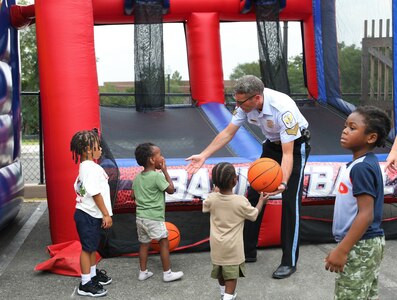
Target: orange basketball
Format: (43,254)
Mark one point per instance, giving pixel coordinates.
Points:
(174,237)
(265,175)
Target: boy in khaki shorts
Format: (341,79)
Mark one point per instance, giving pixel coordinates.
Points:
(148,189)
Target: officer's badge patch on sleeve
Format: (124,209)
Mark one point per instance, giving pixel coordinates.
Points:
(288,119)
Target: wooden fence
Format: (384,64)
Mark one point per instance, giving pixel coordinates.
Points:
(376,67)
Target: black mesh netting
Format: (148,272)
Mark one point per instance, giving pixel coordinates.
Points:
(149,56)
(111,168)
(272,62)
(108,162)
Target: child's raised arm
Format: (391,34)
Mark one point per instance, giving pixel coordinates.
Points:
(170,189)
(262,201)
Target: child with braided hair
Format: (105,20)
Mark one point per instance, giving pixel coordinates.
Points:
(228,213)
(93,209)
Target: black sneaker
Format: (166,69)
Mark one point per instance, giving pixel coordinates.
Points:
(101,277)
(91,289)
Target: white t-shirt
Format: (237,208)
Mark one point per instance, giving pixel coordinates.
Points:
(92,180)
(279,120)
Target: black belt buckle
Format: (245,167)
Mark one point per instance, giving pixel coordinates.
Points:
(305,135)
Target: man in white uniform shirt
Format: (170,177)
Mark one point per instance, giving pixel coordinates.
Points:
(287,137)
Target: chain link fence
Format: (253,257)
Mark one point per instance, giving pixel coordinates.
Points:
(32,147)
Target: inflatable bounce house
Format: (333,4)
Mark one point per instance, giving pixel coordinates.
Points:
(11,177)
(70,102)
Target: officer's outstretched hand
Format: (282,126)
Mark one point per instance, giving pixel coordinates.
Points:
(280,189)
(196,162)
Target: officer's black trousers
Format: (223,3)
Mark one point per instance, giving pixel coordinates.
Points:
(291,204)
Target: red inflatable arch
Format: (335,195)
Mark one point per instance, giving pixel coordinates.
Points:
(68,76)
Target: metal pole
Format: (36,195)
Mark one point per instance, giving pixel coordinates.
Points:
(285,40)
(41,152)
(168,88)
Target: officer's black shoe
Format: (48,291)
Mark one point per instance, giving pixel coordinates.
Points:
(283,272)
(250,259)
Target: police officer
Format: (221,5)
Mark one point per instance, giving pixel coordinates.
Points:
(287,142)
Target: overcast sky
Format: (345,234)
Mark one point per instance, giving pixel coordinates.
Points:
(114,44)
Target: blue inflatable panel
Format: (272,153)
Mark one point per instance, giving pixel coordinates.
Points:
(6,140)
(11,177)
(394,14)
(11,192)
(5,88)
(339,158)
(4,33)
(243,143)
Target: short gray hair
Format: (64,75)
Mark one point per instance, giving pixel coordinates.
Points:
(249,85)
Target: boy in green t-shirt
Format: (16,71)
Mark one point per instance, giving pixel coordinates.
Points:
(148,190)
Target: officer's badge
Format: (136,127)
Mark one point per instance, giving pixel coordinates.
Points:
(270,123)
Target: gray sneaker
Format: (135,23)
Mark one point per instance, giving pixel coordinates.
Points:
(234,296)
(172,276)
(144,275)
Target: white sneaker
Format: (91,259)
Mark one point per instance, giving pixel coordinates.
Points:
(143,275)
(234,296)
(172,276)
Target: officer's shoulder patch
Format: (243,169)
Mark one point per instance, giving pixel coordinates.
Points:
(288,119)
(293,130)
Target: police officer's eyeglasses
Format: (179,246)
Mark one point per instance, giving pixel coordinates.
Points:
(239,103)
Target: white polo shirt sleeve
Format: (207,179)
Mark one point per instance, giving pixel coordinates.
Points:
(289,126)
(239,117)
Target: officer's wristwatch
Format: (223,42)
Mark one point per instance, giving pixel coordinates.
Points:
(285,185)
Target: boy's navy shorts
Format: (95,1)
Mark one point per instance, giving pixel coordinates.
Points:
(89,229)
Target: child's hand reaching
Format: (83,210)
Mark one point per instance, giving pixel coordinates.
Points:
(264,197)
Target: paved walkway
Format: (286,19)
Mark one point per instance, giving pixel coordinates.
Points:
(23,245)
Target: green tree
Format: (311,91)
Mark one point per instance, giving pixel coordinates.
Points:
(251,68)
(28,53)
(176,77)
(295,75)
(116,100)
(350,68)
(175,85)
(29,77)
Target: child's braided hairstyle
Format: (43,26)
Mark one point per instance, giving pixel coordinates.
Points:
(81,140)
(223,175)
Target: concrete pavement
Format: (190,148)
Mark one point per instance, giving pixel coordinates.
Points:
(23,245)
